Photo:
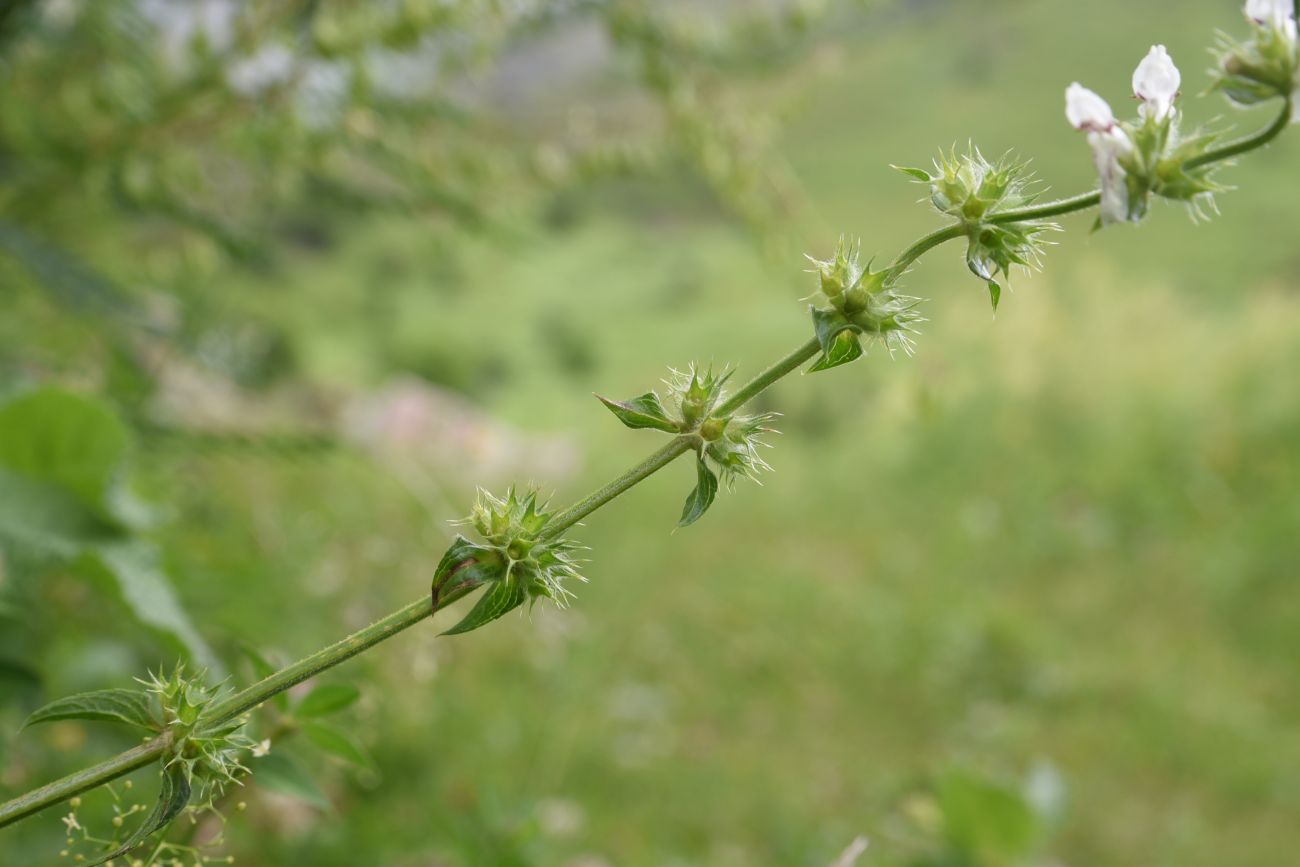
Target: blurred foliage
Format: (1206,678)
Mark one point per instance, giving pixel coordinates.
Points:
(283,282)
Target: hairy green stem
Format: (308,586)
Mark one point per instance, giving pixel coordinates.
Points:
(88,778)
(1046,210)
(420,609)
(751,389)
(361,640)
(923,246)
(1248,143)
(644,470)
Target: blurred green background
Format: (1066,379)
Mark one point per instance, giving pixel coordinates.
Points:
(1025,598)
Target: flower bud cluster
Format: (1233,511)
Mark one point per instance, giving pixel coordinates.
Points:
(974,191)
(859,303)
(208,752)
(1266,65)
(730,442)
(511,529)
(1149,156)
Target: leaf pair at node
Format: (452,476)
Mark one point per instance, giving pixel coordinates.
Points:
(204,752)
(728,443)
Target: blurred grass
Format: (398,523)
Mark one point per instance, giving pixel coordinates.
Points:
(1064,535)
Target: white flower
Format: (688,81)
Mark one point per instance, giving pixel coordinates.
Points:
(1279,14)
(1156,81)
(1088,112)
(261,749)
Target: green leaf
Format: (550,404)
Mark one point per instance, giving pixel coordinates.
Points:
(132,568)
(172,798)
(42,525)
(916,174)
(327,699)
(67,440)
(995,294)
(500,599)
(337,743)
(281,773)
(838,338)
(119,705)
(845,347)
(984,820)
(468,565)
(706,488)
(643,411)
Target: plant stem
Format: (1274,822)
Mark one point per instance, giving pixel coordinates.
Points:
(648,467)
(420,609)
(924,245)
(1049,209)
(239,703)
(1248,143)
(88,778)
(247,699)
(756,385)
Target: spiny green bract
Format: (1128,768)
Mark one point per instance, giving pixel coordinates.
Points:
(205,750)
(1165,170)
(969,187)
(974,191)
(512,526)
(861,302)
(1259,69)
(732,444)
(517,562)
(694,393)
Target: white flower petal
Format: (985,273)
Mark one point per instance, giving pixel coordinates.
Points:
(1156,81)
(1279,14)
(1086,110)
(1274,12)
(1108,147)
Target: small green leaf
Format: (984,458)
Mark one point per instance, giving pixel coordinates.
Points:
(64,439)
(501,597)
(845,347)
(117,705)
(916,174)
(986,821)
(281,773)
(643,411)
(466,565)
(337,743)
(838,338)
(995,294)
(706,488)
(325,700)
(172,798)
